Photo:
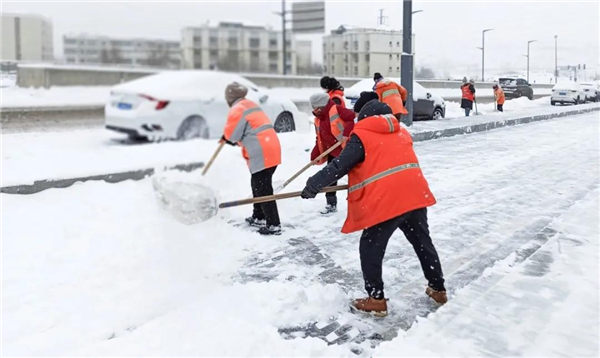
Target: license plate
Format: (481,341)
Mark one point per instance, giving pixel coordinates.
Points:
(123,105)
(562,93)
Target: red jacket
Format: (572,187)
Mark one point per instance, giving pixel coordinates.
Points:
(327,138)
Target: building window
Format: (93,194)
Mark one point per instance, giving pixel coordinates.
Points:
(332,69)
(254,55)
(356,45)
(367,45)
(346,58)
(213,41)
(397,56)
(367,57)
(345,45)
(397,43)
(390,56)
(355,70)
(346,69)
(273,55)
(273,67)
(325,69)
(398,68)
(390,69)
(232,41)
(273,42)
(390,43)
(254,43)
(197,41)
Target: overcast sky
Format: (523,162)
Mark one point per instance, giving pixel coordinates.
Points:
(447,32)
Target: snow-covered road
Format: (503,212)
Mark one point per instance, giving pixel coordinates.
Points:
(100,269)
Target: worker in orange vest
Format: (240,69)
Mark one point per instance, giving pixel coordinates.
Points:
(387,190)
(468,95)
(499,95)
(334,89)
(248,126)
(391,93)
(333,123)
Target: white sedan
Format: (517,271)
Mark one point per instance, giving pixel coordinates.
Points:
(425,104)
(184,105)
(567,92)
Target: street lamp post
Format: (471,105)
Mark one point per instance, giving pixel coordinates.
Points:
(406,63)
(483,53)
(528,43)
(555,59)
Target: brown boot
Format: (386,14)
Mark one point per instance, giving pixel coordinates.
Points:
(371,305)
(438,296)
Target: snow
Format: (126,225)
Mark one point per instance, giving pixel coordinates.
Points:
(110,273)
(54,97)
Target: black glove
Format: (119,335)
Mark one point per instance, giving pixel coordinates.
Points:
(226,141)
(309,192)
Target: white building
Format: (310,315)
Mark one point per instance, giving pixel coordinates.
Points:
(85,49)
(304,57)
(360,52)
(26,38)
(232,46)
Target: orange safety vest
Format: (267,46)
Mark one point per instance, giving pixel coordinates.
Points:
(499,94)
(337,124)
(389,182)
(466,93)
(392,94)
(250,127)
(319,141)
(339,94)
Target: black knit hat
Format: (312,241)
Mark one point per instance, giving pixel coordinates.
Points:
(325,82)
(377,76)
(363,99)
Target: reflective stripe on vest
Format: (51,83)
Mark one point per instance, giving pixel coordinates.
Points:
(381,175)
(389,118)
(389,93)
(338,124)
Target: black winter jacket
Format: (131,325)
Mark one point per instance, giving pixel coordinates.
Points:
(353,153)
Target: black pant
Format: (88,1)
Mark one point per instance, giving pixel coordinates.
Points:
(374,241)
(499,106)
(331,197)
(262,184)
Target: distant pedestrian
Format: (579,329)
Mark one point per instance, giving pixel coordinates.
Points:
(499,95)
(468,95)
(334,89)
(249,127)
(392,94)
(333,123)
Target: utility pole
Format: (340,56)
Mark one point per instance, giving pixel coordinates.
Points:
(528,43)
(284,52)
(555,58)
(406,63)
(483,53)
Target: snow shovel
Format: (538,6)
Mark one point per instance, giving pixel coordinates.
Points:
(312,162)
(267,198)
(212,159)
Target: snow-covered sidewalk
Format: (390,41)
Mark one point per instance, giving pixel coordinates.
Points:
(100,269)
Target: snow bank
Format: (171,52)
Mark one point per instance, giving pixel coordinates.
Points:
(54,96)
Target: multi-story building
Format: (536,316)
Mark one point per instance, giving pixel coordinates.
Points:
(26,38)
(360,52)
(304,62)
(85,49)
(232,46)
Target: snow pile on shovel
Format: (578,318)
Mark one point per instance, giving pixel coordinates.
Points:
(187,200)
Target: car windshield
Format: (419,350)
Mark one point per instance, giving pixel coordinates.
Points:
(507,82)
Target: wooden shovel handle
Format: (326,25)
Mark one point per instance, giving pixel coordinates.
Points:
(212,159)
(312,162)
(264,199)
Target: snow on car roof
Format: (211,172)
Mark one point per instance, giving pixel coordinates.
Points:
(183,84)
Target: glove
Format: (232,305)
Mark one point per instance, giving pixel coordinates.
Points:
(223,139)
(308,192)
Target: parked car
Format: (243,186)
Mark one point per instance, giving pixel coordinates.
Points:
(592,92)
(425,104)
(516,87)
(184,105)
(567,92)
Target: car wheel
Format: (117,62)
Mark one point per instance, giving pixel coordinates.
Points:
(530,97)
(438,113)
(552,103)
(284,123)
(193,127)
(517,94)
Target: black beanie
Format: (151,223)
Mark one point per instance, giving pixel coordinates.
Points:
(373,108)
(363,99)
(377,76)
(325,82)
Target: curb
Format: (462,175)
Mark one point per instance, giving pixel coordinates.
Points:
(482,127)
(40,185)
